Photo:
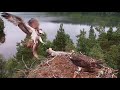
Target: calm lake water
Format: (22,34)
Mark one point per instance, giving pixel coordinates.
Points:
(14,34)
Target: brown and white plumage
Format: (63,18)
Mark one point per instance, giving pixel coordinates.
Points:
(85,61)
(16,20)
(53,53)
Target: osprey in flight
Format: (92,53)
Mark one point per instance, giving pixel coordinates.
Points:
(16,20)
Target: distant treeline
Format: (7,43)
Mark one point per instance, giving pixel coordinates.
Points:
(90,18)
(88,13)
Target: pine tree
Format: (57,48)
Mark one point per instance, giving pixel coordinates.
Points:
(100,29)
(96,52)
(116,36)
(2,37)
(102,38)
(2,34)
(92,35)
(92,38)
(110,33)
(70,45)
(1,25)
(112,57)
(118,29)
(111,38)
(2,67)
(82,42)
(62,41)
(11,67)
(59,42)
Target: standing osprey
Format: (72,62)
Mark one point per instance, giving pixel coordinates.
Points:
(85,61)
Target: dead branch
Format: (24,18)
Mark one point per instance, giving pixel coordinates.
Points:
(19,70)
(24,63)
(32,64)
(51,60)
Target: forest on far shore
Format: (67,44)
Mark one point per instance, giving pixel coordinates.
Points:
(89,18)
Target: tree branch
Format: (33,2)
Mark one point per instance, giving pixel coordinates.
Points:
(24,63)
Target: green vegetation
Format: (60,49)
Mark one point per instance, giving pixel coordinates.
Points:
(62,41)
(2,37)
(90,18)
(2,67)
(105,47)
(2,34)
(1,25)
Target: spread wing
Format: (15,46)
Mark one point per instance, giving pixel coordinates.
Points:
(18,21)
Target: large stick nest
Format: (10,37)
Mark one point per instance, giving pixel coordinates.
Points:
(67,67)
